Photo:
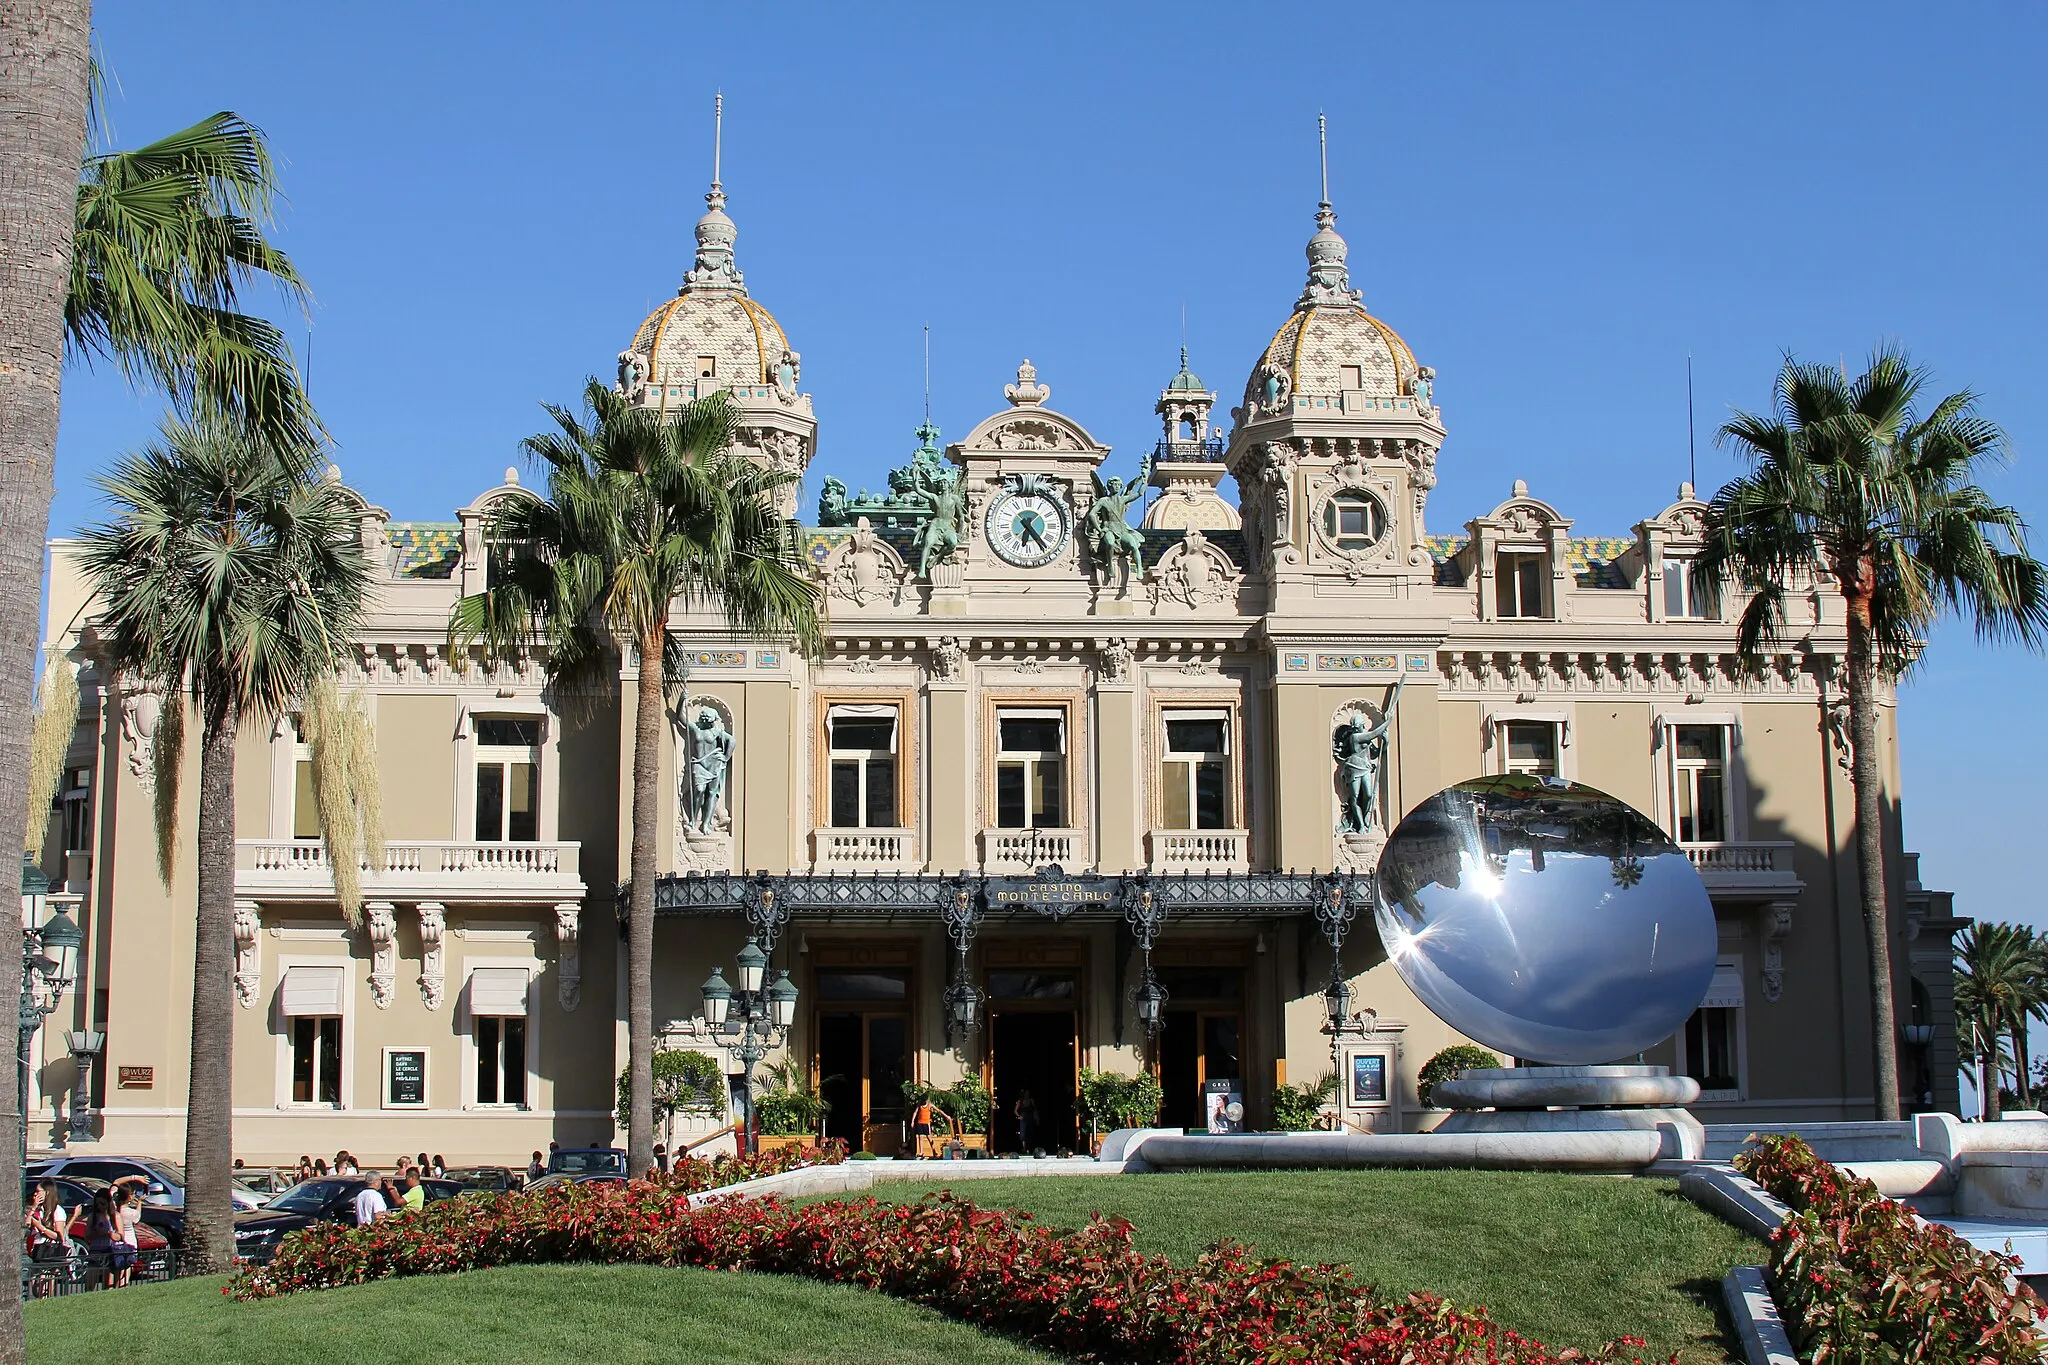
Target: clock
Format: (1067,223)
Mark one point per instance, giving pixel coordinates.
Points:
(1028,527)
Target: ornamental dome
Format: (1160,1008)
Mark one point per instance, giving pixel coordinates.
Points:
(711,331)
(1330,345)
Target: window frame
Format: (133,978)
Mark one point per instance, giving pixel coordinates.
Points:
(547,759)
(281,1026)
(908,753)
(1728,968)
(1167,714)
(1690,593)
(1560,721)
(1030,761)
(863,760)
(75,807)
(1734,785)
(1539,559)
(466,1026)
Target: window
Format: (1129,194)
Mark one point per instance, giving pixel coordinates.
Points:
(76,804)
(1685,597)
(707,367)
(862,742)
(507,778)
(316,1060)
(310,998)
(1713,1035)
(1194,771)
(1354,521)
(1031,750)
(1354,376)
(1518,585)
(1699,783)
(497,1014)
(1530,747)
(305,813)
(501,1060)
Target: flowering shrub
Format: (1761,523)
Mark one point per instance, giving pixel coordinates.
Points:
(1862,1278)
(1087,1294)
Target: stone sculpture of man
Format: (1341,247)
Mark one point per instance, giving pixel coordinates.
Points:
(1359,751)
(711,746)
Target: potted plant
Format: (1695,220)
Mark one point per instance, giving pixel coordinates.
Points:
(1111,1101)
(1299,1108)
(788,1110)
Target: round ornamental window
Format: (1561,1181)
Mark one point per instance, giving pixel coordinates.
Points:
(1354,521)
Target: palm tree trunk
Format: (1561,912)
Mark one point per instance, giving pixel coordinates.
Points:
(43,49)
(647,723)
(209,1136)
(2021,1062)
(1863,777)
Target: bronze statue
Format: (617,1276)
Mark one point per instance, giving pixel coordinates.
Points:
(1359,752)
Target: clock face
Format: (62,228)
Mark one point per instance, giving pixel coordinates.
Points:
(1028,529)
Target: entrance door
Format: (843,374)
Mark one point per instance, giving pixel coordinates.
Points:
(1195,1047)
(863,1053)
(1034,1050)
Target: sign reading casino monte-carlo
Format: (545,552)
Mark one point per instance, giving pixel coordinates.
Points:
(1049,894)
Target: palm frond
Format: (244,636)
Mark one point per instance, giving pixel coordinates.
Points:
(56,720)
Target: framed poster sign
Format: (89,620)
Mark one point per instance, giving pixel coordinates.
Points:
(1368,1078)
(405,1078)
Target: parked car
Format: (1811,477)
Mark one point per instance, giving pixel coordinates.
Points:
(166,1179)
(266,1180)
(326,1200)
(587,1161)
(485,1179)
(561,1178)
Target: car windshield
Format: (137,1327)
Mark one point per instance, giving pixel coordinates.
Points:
(164,1172)
(585,1163)
(309,1197)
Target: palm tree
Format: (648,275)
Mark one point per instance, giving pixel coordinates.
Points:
(1849,484)
(642,512)
(231,565)
(1998,982)
(2029,1002)
(168,237)
(44,63)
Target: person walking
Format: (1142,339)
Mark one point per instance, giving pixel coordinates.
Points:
(536,1168)
(1027,1122)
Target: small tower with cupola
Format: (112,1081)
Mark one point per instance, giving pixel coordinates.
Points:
(1187,464)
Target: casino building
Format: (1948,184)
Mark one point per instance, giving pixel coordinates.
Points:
(1050,765)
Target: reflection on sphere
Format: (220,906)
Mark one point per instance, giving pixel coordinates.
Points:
(1546,920)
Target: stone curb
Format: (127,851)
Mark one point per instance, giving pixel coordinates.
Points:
(1735,1198)
(851,1177)
(1755,1316)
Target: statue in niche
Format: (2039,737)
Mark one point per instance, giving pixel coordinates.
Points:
(711,747)
(1112,542)
(938,540)
(1359,751)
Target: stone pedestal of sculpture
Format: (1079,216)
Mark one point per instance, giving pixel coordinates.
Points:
(1360,852)
(1575,1099)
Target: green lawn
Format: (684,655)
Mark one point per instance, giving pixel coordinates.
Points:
(1569,1260)
(620,1315)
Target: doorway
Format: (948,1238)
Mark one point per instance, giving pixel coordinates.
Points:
(1202,1040)
(863,1052)
(1033,1050)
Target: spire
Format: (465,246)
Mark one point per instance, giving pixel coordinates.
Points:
(715,231)
(1329,282)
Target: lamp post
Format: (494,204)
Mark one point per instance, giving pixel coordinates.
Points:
(49,959)
(85,1045)
(761,1023)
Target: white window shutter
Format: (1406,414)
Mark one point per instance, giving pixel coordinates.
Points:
(498,991)
(313,990)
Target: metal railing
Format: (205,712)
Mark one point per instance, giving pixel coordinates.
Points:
(80,1271)
(1209,451)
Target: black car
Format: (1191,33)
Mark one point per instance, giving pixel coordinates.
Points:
(328,1200)
(587,1161)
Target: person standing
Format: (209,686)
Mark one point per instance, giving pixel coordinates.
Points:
(369,1203)
(345,1163)
(415,1196)
(49,1236)
(127,1216)
(661,1157)
(438,1168)
(536,1168)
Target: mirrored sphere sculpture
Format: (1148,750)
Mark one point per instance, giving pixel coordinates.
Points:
(1545,919)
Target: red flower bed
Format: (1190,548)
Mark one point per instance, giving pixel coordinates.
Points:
(1085,1293)
(1862,1278)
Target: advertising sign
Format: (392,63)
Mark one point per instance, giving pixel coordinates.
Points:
(1223,1103)
(405,1078)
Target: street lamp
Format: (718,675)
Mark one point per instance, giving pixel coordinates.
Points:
(49,962)
(761,1023)
(1150,999)
(85,1045)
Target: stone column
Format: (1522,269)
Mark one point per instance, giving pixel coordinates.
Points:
(1119,795)
(951,804)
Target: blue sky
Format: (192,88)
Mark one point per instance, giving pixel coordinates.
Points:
(1553,204)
